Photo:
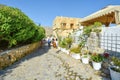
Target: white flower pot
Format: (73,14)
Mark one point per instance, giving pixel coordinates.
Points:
(96,65)
(114,75)
(85,60)
(75,56)
(67,51)
(63,49)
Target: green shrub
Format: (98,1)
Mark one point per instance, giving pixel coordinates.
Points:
(116,62)
(16,28)
(95,28)
(63,44)
(39,34)
(68,40)
(87,30)
(97,24)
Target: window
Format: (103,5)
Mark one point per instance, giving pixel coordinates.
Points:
(71,26)
(63,25)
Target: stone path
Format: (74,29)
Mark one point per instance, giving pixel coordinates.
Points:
(46,64)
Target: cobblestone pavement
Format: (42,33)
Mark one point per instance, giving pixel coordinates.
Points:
(48,64)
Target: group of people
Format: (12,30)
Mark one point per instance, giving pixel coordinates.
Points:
(52,42)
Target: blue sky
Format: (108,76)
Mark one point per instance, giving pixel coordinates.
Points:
(44,11)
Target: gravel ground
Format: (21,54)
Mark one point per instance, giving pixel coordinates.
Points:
(49,64)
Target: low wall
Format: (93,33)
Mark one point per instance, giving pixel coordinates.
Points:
(9,57)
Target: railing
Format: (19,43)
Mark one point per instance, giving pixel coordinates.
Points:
(110,42)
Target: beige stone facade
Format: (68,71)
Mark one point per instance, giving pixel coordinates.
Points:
(63,26)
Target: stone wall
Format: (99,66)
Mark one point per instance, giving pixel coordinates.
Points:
(7,58)
(93,44)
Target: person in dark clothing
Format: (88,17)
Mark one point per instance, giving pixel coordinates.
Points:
(49,42)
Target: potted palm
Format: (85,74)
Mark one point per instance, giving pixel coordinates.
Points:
(97,61)
(115,68)
(75,52)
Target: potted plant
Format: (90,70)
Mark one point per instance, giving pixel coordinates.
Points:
(68,41)
(64,44)
(85,55)
(97,60)
(75,52)
(115,68)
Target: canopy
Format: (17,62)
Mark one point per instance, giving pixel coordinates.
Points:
(109,14)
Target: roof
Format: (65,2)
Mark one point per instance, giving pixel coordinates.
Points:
(105,11)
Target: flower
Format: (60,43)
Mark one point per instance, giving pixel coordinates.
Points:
(106,54)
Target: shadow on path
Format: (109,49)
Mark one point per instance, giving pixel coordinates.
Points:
(40,51)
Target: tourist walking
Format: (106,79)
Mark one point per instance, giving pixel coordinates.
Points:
(56,41)
(49,42)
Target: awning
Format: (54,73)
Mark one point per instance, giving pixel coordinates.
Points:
(106,15)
